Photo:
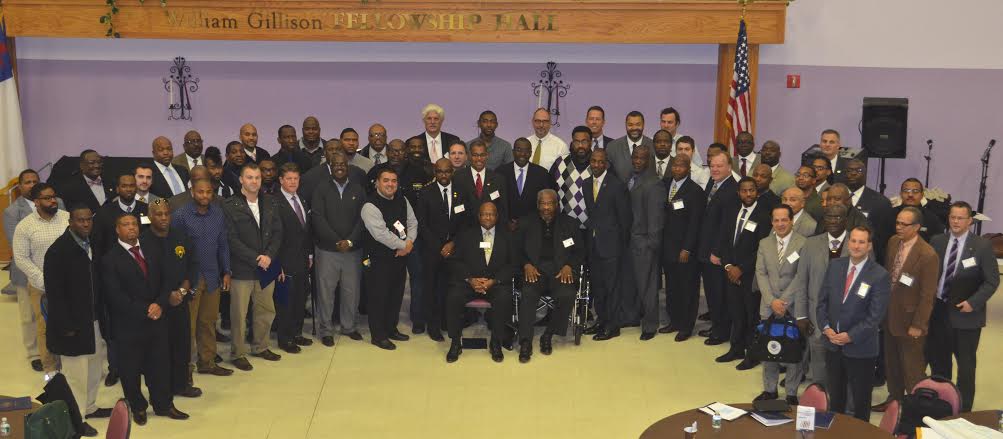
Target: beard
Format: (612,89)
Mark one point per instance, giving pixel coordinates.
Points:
(51,210)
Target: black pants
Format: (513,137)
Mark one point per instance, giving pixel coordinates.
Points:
(179,342)
(434,292)
(290,315)
(714,290)
(145,354)
(547,284)
(858,374)
(943,342)
(603,288)
(743,308)
(416,273)
(682,294)
(385,286)
(500,297)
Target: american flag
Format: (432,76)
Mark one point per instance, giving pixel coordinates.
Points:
(739,114)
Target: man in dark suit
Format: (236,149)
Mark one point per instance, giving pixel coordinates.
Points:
(662,149)
(852,304)
(607,234)
(911,193)
(595,119)
(168,179)
(969,276)
(435,141)
(296,258)
(254,233)
(481,185)
(485,262)
(523,180)
(235,159)
(647,198)
(104,235)
(743,226)
(131,274)
(874,206)
(763,178)
(441,215)
(746,160)
(319,175)
(249,141)
(620,150)
(550,252)
(684,208)
(722,193)
(76,319)
(87,186)
(192,156)
(289,150)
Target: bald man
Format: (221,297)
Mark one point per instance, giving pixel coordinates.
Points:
(376,149)
(311,143)
(192,156)
(168,179)
(802,223)
(249,140)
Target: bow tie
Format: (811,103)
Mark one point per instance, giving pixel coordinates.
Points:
(94,182)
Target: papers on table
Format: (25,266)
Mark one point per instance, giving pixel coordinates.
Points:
(956,429)
(770,419)
(727,412)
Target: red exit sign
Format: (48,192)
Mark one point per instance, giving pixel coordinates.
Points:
(793,81)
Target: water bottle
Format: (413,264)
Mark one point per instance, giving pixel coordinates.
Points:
(715,421)
(4,428)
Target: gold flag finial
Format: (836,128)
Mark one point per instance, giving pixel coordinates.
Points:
(744,3)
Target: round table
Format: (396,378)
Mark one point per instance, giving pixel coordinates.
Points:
(747,428)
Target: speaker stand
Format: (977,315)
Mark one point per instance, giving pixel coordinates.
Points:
(881,175)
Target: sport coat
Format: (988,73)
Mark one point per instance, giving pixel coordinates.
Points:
(911,305)
(813,205)
(182,161)
(859,317)
(259,153)
(536,179)
(493,189)
(75,189)
(247,240)
(741,251)
(931,226)
(297,156)
(782,180)
(736,165)
(297,239)
(878,211)
(811,273)
(683,217)
(647,201)
(129,292)
(72,286)
(436,227)
(975,283)
(569,249)
(161,187)
(447,141)
(805,225)
(725,197)
(776,274)
(468,257)
(103,234)
(606,140)
(618,153)
(610,217)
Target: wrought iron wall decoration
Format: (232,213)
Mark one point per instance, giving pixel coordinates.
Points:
(181,82)
(549,91)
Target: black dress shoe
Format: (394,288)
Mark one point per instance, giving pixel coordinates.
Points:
(455,349)
(399,336)
(172,413)
(302,341)
(747,364)
(267,354)
(222,338)
(436,336)
(525,351)
(417,330)
(99,413)
(496,351)
(290,347)
(792,400)
(705,317)
(546,344)
(767,396)
(354,335)
(385,344)
(242,364)
(714,341)
(111,379)
(88,431)
(36,365)
(190,392)
(729,357)
(327,340)
(216,370)
(682,336)
(139,417)
(645,336)
(704,333)
(607,334)
(667,329)
(593,330)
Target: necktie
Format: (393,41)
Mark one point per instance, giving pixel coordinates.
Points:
(595,189)
(487,251)
(742,170)
(195,161)
(741,223)
(632,147)
(139,259)
(378,158)
(445,202)
(661,167)
(536,154)
(435,151)
(849,281)
(713,190)
(519,181)
(780,250)
(672,193)
(128,209)
(298,210)
(952,260)
(834,244)
(174,181)
(899,259)
(595,144)
(630,183)
(478,186)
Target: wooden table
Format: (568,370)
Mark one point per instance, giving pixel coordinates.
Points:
(843,427)
(16,419)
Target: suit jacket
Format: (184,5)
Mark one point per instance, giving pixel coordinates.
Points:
(769,198)
(976,283)
(782,180)
(320,174)
(858,316)
(103,234)
(260,154)
(75,190)
(813,205)
(777,275)
(536,179)
(618,154)
(248,240)
(468,258)
(529,239)
(912,305)
(932,225)
(878,211)
(736,164)
(725,197)
(610,218)
(606,140)
(129,292)
(72,286)
(493,189)
(805,225)
(161,187)
(683,217)
(811,273)
(446,138)
(297,240)
(647,201)
(435,226)
(742,251)
(297,156)
(12,215)
(182,161)
(336,217)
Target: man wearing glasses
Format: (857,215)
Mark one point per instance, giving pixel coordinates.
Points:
(376,149)
(912,195)
(192,156)
(875,207)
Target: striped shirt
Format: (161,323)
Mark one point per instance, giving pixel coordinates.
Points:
(32,238)
(208,234)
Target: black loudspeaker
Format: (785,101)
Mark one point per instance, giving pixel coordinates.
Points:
(883,131)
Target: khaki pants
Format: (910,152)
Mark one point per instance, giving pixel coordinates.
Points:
(204,310)
(50,361)
(83,374)
(29,330)
(242,292)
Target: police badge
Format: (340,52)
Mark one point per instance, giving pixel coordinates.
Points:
(180,251)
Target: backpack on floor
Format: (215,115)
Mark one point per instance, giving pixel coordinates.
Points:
(51,421)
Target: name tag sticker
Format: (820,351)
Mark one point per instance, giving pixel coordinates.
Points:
(751,226)
(968,263)
(459,209)
(863,290)
(793,257)
(399,227)
(494,195)
(485,245)
(906,279)
(569,242)
(923,229)
(143,219)
(678,204)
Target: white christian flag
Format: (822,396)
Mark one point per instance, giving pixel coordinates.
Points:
(12,154)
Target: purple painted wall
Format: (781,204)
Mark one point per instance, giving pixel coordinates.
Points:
(119,107)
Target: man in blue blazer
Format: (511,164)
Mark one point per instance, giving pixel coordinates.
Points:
(851,306)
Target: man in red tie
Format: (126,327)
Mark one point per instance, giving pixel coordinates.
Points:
(481,184)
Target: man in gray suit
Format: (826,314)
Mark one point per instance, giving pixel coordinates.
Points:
(621,150)
(804,224)
(647,198)
(777,277)
(746,160)
(969,275)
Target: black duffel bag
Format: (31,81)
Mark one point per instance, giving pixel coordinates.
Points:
(917,405)
(777,339)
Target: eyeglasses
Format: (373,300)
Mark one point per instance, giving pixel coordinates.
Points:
(902,224)
(804,174)
(377,134)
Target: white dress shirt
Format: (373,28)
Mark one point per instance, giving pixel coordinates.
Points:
(840,238)
(128,208)
(664,164)
(855,195)
(749,161)
(168,172)
(553,149)
(191,161)
(97,190)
